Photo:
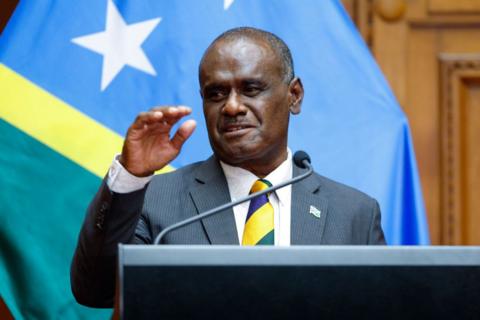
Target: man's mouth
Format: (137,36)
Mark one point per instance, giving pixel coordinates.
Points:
(232,130)
(235,127)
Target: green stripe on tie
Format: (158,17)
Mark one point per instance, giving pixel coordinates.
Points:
(268,239)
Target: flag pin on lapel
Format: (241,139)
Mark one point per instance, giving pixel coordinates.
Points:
(316,213)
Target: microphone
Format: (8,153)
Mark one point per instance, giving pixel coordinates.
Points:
(300,158)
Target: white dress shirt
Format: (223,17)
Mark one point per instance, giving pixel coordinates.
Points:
(239,183)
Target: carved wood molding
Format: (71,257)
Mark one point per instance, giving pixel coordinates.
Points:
(455,71)
(454,7)
(444,24)
(390,10)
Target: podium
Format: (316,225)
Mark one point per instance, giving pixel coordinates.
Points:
(298,282)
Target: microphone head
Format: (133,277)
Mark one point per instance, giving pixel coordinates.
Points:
(299,157)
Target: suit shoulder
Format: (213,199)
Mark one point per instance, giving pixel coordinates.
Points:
(337,190)
(353,216)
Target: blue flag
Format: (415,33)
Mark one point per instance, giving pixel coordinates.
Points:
(75,74)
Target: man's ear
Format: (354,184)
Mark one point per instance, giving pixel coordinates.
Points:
(295,95)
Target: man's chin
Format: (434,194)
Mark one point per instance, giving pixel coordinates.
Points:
(237,155)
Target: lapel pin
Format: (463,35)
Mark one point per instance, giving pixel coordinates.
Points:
(315,212)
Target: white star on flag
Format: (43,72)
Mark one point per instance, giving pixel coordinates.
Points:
(227,4)
(120,44)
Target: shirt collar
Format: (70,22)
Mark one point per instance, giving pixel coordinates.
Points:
(240,180)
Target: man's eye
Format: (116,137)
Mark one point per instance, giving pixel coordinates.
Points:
(215,95)
(251,91)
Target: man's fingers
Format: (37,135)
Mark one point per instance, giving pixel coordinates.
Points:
(167,115)
(146,118)
(166,109)
(183,133)
(172,114)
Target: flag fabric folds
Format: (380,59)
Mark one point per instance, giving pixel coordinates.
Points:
(74,74)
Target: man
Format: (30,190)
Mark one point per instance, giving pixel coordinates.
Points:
(249,90)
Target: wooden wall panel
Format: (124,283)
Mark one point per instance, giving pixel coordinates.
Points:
(409,39)
(454,6)
(470,102)
(460,135)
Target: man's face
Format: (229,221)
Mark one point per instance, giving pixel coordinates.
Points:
(245,102)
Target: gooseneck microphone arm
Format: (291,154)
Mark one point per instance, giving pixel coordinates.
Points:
(300,158)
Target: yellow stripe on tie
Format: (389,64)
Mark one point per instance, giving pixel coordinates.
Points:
(259,186)
(57,124)
(258,225)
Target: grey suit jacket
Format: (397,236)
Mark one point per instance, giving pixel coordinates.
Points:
(348,217)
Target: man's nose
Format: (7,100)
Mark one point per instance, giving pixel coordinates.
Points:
(234,106)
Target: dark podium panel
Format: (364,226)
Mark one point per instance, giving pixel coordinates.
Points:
(348,282)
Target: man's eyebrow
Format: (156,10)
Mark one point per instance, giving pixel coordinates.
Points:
(213,86)
(244,82)
(254,82)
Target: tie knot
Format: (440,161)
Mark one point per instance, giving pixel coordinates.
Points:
(259,185)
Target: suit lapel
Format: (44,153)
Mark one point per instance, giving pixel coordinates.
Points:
(210,190)
(307,228)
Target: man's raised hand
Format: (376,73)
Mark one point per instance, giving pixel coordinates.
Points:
(148,147)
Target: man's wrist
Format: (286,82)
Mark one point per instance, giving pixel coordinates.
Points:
(122,163)
(119,180)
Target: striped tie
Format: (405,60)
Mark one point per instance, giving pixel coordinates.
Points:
(259,227)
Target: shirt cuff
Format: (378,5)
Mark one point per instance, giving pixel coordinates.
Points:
(119,180)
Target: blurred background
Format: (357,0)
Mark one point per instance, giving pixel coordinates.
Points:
(429,50)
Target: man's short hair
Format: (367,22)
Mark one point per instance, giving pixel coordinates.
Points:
(277,45)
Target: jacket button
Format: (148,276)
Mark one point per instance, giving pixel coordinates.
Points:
(99,220)
(104,207)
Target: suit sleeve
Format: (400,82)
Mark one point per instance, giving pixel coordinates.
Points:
(375,235)
(112,218)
